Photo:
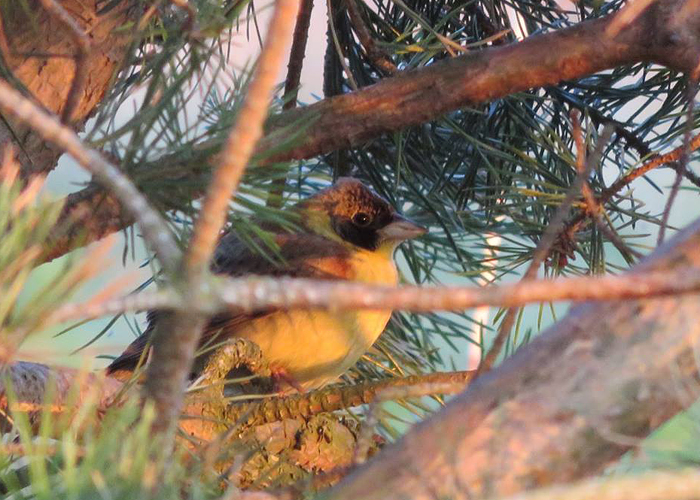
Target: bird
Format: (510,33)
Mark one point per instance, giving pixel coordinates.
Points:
(347,232)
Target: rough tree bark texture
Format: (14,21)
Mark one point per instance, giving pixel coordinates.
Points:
(38,50)
(417,96)
(563,407)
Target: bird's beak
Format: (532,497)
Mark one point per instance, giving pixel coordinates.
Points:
(400,228)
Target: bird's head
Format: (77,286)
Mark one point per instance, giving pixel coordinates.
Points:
(351,212)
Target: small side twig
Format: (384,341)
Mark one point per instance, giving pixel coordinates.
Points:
(594,208)
(338,48)
(549,237)
(82,45)
(292,83)
(683,162)
(575,224)
(376,55)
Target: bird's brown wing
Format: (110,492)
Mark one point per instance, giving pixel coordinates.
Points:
(300,256)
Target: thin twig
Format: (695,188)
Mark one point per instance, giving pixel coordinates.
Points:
(594,208)
(688,174)
(242,140)
(338,48)
(292,84)
(376,55)
(549,237)
(575,224)
(175,337)
(82,45)
(683,162)
(155,230)
(297,53)
(260,293)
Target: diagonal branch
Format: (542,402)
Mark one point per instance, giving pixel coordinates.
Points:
(420,95)
(175,338)
(561,408)
(155,230)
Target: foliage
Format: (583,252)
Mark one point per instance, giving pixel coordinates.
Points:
(497,169)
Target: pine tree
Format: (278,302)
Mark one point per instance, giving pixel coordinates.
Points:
(518,132)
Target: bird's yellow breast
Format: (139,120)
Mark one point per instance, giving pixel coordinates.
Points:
(316,347)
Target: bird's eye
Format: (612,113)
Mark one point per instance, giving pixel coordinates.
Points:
(361,219)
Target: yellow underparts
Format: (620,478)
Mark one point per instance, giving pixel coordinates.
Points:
(316,347)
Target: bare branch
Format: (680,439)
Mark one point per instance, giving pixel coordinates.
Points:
(258,293)
(175,337)
(155,230)
(549,237)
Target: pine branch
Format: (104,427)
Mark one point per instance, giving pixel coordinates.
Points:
(427,93)
(156,232)
(561,408)
(175,337)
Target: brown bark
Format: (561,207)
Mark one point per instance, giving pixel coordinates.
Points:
(562,408)
(417,96)
(39,51)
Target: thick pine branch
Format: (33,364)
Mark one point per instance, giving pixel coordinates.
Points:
(421,95)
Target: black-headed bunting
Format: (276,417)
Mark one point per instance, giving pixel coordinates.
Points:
(348,233)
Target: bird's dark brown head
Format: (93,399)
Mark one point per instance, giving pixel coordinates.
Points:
(357,215)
